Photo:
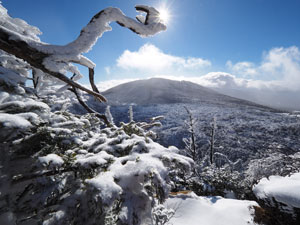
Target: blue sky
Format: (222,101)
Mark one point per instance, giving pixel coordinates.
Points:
(234,36)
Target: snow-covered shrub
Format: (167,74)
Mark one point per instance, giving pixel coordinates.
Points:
(274,163)
(225,177)
(11,62)
(73,171)
(162,215)
(62,168)
(108,173)
(214,173)
(218,181)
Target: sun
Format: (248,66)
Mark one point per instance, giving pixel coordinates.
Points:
(164,15)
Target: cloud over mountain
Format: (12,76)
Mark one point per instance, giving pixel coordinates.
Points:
(280,69)
(149,58)
(275,81)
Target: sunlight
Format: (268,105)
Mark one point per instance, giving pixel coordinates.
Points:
(164,15)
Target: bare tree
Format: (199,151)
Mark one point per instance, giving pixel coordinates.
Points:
(190,143)
(212,140)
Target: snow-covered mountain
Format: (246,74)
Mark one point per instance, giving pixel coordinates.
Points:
(165,91)
(239,122)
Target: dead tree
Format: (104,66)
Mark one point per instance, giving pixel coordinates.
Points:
(191,147)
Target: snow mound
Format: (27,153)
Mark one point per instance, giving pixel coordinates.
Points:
(283,189)
(194,210)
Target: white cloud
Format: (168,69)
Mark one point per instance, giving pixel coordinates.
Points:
(275,81)
(150,59)
(242,68)
(263,92)
(269,93)
(280,67)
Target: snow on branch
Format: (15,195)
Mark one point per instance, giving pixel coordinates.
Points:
(20,39)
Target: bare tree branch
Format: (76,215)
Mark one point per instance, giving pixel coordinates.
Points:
(90,110)
(91,77)
(49,58)
(35,58)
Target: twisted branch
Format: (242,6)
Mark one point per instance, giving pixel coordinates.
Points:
(48,58)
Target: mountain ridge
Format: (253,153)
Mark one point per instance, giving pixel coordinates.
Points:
(165,91)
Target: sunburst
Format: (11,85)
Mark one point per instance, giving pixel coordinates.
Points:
(164,15)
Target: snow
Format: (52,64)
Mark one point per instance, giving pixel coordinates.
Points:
(18,26)
(24,105)
(10,80)
(14,69)
(91,159)
(55,218)
(51,160)
(283,189)
(107,187)
(14,121)
(33,118)
(59,130)
(69,124)
(3,96)
(100,24)
(194,210)
(130,171)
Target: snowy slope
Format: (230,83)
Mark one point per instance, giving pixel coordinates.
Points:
(193,210)
(164,91)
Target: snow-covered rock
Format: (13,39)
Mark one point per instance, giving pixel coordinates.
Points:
(285,190)
(194,210)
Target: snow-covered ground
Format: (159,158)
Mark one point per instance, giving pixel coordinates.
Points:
(285,190)
(191,209)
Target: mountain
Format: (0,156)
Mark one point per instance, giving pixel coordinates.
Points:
(164,91)
(244,129)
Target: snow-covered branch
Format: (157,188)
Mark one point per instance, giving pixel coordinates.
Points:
(57,60)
